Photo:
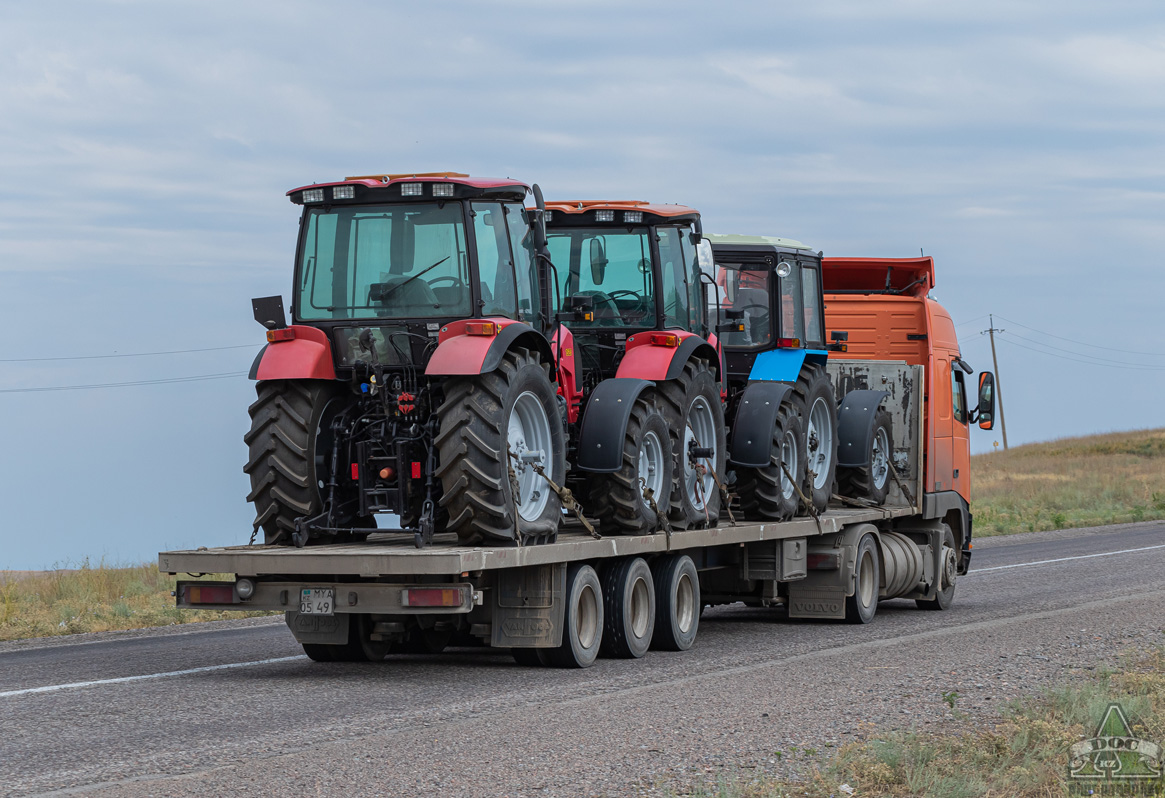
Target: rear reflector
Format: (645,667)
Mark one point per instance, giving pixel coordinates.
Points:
(210,594)
(416,470)
(431,597)
(480,328)
(355,471)
(285,334)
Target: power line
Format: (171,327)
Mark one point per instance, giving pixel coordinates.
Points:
(165,381)
(1104,364)
(1099,360)
(972,321)
(1081,343)
(129,354)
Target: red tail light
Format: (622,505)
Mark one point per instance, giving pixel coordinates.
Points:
(789,343)
(665,339)
(275,336)
(480,328)
(823,562)
(432,597)
(210,594)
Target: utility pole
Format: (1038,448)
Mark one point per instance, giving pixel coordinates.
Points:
(998,391)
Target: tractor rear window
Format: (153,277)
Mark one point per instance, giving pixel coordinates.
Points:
(746,291)
(383,261)
(613,267)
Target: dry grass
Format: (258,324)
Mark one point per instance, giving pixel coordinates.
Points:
(1023,756)
(1074,482)
(92,599)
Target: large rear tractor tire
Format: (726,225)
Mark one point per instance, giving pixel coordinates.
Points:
(814,401)
(768,493)
(618,499)
(494,428)
(288,449)
(871,482)
(691,404)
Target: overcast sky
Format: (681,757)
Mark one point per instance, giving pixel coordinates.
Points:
(145,149)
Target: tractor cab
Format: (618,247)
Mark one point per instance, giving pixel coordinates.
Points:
(620,268)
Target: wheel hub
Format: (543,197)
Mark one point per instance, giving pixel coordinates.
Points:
(528,440)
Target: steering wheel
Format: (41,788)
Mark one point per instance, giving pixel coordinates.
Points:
(638,308)
(452,278)
(603,299)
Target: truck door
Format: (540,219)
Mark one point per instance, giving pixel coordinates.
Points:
(960,436)
(941,459)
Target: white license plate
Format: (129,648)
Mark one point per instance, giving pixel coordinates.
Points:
(317,601)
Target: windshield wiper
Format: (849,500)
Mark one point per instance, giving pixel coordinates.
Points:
(386,294)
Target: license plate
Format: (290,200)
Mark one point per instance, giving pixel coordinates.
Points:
(317,601)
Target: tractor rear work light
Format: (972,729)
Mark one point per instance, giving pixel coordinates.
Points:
(604,216)
(480,328)
(442,189)
(210,594)
(789,343)
(410,189)
(285,334)
(313,195)
(432,597)
(548,215)
(633,217)
(344,192)
(665,339)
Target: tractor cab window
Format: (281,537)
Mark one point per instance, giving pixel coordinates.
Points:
(746,290)
(692,271)
(677,309)
(524,274)
(495,265)
(612,267)
(790,311)
(811,303)
(383,261)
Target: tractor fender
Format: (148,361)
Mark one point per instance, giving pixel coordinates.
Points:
(307,356)
(855,427)
(459,353)
(752,426)
(647,361)
(608,411)
(784,365)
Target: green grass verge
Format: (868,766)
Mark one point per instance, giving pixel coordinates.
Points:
(93,598)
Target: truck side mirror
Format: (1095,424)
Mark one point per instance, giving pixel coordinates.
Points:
(598,262)
(986,400)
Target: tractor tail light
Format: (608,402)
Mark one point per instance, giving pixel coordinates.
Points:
(789,343)
(285,334)
(480,328)
(432,597)
(665,339)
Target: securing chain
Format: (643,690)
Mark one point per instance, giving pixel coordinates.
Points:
(724,493)
(805,500)
(905,490)
(565,495)
(661,521)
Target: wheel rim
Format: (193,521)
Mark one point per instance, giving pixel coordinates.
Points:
(699,431)
(866,586)
(950,569)
(651,465)
(588,617)
(528,437)
(820,439)
(685,603)
(640,608)
(880,458)
(789,460)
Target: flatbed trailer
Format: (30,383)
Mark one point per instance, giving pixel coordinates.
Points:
(562,603)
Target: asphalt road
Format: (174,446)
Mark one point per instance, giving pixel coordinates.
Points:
(237,709)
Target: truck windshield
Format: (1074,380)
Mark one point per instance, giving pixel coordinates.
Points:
(394,261)
(613,267)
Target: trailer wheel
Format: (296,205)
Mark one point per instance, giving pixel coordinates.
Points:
(484,420)
(861,606)
(872,481)
(768,493)
(617,499)
(947,575)
(695,417)
(677,603)
(582,630)
(813,394)
(629,608)
(359,648)
(287,450)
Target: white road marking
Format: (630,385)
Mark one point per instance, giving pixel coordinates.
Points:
(121,680)
(1063,559)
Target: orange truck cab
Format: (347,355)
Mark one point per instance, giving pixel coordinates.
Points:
(881,309)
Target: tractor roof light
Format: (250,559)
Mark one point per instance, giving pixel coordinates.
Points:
(633,217)
(411,189)
(605,216)
(442,189)
(313,195)
(344,192)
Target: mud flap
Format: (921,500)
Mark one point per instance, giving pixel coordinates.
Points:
(529,607)
(328,630)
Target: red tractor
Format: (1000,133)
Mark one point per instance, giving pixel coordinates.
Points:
(634,343)
(416,377)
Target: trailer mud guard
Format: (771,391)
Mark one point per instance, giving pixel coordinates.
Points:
(855,427)
(600,438)
(529,607)
(752,428)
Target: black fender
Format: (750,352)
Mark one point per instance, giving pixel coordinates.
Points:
(517,335)
(608,411)
(855,427)
(693,346)
(253,374)
(752,426)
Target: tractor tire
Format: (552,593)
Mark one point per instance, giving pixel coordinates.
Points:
(287,468)
(768,494)
(484,419)
(695,416)
(947,574)
(871,482)
(617,499)
(813,398)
